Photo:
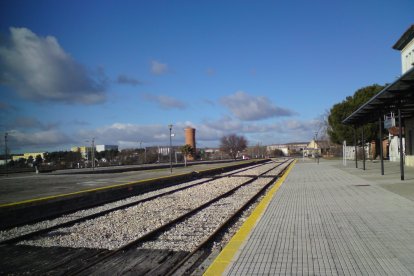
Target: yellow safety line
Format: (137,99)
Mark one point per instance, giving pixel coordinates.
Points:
(225,257)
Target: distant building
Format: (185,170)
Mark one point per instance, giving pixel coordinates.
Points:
(17,157)
(27,155)
(296,146)
(84,151)
(322,148)
(288,148)
(281,147)
(100,148)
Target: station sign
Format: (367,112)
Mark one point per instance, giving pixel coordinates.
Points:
(389,122)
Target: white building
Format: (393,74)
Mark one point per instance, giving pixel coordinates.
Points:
(281,147)
(288,148)
(100,148)
(406,45)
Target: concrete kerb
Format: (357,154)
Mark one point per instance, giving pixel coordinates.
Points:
(18,213)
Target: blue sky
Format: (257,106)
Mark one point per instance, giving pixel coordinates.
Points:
(121,71)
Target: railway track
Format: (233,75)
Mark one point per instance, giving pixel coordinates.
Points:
(136,256)
(17,234)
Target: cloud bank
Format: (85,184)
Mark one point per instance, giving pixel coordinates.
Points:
(38,69)
(38,139)
(250,108)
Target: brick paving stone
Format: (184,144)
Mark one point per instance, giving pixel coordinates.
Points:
(327,221)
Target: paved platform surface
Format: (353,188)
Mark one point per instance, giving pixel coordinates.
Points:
(328,219)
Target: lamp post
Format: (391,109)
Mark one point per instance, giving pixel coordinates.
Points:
(93,153)
(170,127)
(316,147)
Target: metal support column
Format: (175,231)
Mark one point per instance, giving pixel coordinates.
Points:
(380,146)
(356,147)
(363,148)
(401,144)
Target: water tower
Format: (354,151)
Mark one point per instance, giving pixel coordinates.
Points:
(190,140)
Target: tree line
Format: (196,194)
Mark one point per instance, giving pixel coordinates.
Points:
(338,132)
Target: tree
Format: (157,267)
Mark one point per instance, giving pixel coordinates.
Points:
(277,153)
(21,163)
(38,159)
(187,150)
(339,132)
(233,144)
(30,159)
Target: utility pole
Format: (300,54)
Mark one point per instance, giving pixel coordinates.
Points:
(170,127)
(93,153)
(140,148)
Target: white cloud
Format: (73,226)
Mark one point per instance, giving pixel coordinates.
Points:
(250,108)
(163,101)
(158,68)
(278,132)
(225,124)
(38,69)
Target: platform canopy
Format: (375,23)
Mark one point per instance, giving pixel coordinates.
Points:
(397,95)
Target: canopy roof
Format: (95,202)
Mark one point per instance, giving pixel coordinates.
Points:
(399,94)
(405,39)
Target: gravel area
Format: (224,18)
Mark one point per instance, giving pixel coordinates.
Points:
(186,236)
(121,227)
(25,229)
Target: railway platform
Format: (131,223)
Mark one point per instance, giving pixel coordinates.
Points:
(327,219)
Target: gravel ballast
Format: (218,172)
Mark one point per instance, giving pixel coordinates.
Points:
(120,227)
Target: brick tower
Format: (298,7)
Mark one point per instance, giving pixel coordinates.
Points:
(190,140)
